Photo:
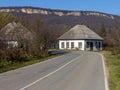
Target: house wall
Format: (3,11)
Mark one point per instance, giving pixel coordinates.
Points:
(76,45)
(85,44)
(96,45)
(12,43)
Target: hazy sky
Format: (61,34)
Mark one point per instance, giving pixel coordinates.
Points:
(107,6)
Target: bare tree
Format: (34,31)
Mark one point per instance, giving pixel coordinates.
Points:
(42,38)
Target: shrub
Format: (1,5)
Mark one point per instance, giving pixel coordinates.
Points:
(14,55)
(116,51)
(18,55)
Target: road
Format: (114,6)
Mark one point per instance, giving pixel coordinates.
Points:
(70,71)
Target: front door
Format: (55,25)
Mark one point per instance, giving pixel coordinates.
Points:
(91,45)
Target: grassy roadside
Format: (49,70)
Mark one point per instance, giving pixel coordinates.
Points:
(13,66)
(113,64)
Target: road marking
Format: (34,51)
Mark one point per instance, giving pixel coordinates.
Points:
(49,74)
(105,74)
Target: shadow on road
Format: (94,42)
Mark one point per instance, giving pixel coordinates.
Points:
(53,52)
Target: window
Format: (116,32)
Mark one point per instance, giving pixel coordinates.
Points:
(96,44)
(88,45)
(72,44)
(99,45)
(79,44)
(62,45)
(67,45)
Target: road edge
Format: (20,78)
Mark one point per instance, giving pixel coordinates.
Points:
(105,73)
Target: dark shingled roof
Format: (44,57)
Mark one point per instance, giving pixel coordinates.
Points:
(80,32)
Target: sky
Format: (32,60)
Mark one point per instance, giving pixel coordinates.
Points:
(106,6)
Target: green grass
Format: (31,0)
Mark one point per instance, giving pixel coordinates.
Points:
(113,64)
(8,66)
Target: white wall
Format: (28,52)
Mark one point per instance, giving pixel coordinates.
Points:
(75,44)
(84,43)
(12,43)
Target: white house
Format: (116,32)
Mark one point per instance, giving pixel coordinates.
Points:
(80,37)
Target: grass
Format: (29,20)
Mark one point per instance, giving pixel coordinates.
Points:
(113,64)
(8,66)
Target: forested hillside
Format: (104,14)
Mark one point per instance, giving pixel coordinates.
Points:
(59,18)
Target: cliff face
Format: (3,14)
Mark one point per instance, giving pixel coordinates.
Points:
(59,18)
(30,10)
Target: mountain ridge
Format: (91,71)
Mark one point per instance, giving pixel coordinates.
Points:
(59,18)
(37,10)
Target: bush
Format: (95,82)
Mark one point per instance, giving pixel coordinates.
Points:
(116,51)
(18,55)
(3,63)
(14,55)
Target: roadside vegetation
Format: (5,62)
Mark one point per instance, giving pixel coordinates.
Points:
(113,64)
(28,51)
(112,46)
(8,65)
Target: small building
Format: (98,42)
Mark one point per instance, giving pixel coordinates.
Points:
(14,34)
(80,37)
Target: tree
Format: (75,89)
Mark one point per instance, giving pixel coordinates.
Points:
(42,38)
(6,18)
(116,35)
(102,31)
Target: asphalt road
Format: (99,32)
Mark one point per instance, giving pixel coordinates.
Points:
(71,71)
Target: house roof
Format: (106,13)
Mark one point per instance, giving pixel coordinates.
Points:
(15,31)
(80,32)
